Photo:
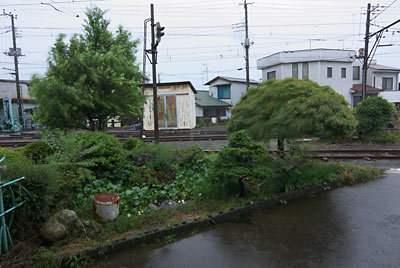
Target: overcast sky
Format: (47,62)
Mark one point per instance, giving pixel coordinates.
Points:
(203,38)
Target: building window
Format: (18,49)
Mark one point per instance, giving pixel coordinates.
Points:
(304,70)
(329,72)
(295,70)
(387,83)
(343,73)
(356,100)
(214,111)
(224,92)
(356,72)
(271,75)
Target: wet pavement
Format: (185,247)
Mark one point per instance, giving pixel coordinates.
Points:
(355,226)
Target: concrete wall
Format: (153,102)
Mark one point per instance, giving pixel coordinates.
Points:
(305,56)
(8,89)
(318,73)
(185,104)
(238,89)
(378,75)
(390,96)
(199,111)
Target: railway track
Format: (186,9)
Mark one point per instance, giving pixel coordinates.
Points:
(22,139)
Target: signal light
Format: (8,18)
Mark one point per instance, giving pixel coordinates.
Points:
(159,32)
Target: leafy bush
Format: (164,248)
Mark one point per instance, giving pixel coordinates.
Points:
(384,137)
(241,159)
(131,143)
(190,156)
(300,175)
(372,114)
(41,180)
(162,160)
(37,151)
(12,155)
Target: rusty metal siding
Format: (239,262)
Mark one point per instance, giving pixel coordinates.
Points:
(185,102)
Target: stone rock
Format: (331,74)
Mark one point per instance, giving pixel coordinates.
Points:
(325,159)
(153,207)
(168,204)
(58,226)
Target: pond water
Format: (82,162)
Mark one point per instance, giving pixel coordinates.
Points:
(355,226)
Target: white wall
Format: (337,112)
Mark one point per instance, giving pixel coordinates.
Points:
(9,89)
(185,103)
(339,84)
(199,111)
(378,79)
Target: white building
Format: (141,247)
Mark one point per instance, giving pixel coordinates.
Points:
(228,89)
(175,106)
(336,68)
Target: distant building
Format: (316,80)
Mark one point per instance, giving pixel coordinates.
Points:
(208,107)
(8,90)
(335,68)
(176,106)
(228,89)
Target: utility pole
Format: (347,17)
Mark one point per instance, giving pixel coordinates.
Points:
(366,55)
(153,62)
(246,45)
(16,53)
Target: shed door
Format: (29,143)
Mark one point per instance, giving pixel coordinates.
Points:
(167,116)
(170,102)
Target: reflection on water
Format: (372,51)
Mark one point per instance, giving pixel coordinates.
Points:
(349,227)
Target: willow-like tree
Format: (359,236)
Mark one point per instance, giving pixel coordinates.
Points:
(292,108)
(89,79)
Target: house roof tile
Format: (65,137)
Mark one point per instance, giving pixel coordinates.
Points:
(204,99)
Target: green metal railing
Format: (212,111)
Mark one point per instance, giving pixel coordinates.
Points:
(5,236)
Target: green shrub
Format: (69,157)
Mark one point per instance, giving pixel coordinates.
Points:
(131,143)
(383,137)
(37,151)
(303,175)
(41,180)
(162,160)
(12,155)
(241,159)
(190,156)
(372,114)
(200,122)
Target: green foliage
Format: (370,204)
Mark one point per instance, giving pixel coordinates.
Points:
(372,114)
(357,174)
(292,108)
(37,151)
(41,180)
(162,160)
(104,152)
(190,156)
(200,122)
(131,143)
(45,258)
(241,159)
(90,79)
(382,137)
(301,175)
(12,155)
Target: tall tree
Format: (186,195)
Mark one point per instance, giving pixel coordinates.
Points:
(292,108)
(90,79)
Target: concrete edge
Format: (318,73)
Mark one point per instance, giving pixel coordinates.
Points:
(235,213)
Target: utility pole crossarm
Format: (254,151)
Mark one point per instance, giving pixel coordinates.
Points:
(383,29)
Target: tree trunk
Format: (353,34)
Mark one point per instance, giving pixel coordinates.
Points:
(242,190)
(281,146)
